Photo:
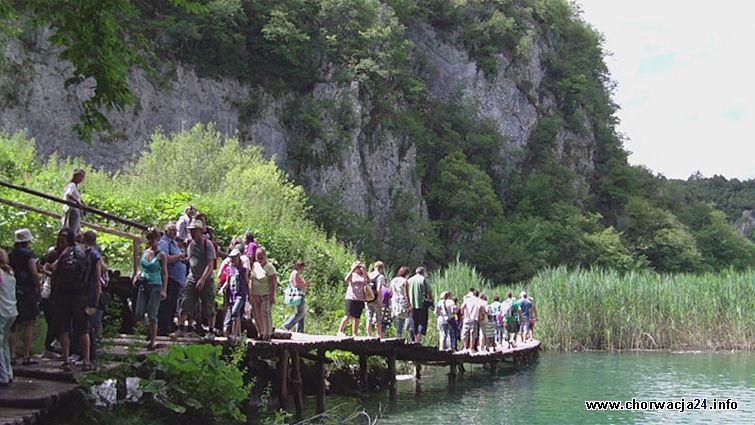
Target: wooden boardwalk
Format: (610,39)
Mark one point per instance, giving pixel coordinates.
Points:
(40,390)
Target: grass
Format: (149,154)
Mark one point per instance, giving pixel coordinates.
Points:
(643,310)
(608,310)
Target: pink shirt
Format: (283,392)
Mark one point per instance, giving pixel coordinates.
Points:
(355,290)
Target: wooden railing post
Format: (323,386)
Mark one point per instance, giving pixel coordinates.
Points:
(363,372)
(283,378)
(392,374)
(296,380)
(321,380)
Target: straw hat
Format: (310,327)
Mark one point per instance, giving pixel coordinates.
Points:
(356,264)
(23,235)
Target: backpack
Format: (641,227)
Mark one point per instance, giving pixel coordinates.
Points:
(370,290)
(72,270)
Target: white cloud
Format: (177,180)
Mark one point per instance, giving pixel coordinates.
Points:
(685,82)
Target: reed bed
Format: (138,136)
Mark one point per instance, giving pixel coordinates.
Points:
(607,310)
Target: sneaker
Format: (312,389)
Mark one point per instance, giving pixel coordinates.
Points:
(341,334)
(199,330)
(49,354)
(180,333)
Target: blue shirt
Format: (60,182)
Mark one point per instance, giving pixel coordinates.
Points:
(525,305)
(176,270)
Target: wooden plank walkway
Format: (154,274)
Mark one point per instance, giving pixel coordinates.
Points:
(39,390)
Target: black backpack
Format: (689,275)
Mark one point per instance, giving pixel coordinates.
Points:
(374,285)
(72,270)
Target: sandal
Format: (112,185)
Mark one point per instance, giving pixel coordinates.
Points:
(86,367)
(66,367)
(29,361)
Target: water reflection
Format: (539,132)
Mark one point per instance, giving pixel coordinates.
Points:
(554,390)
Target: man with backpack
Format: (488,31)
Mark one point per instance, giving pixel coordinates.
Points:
(374,305)
(525,305)
(70,295)
(94,287)
(199,292)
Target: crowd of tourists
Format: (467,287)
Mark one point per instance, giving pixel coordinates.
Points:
(65,285)
(477,323)
(176,294)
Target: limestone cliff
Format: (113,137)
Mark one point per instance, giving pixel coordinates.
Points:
(372,167)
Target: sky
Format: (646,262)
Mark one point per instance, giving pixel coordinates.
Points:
(685,72)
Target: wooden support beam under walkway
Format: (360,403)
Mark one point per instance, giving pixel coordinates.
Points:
(40,390)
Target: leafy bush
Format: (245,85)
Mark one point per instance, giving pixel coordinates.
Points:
(195,381)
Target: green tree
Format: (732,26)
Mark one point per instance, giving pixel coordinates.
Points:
(660,237)
(92,35)
(462,200)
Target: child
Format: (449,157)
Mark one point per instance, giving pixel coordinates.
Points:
(237,288)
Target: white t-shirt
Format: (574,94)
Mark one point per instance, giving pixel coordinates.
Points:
(471,308)
(7,295)
(71,193)
(445,309)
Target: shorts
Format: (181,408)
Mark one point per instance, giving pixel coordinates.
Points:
(27,301)
(470,329)
(419,316)
(70,312)
(524,326)
(190,299)
(237,310)
(532,324)
(354,308)
(512,327)
(148,301)
(97,320)
(490,329)
(374,313)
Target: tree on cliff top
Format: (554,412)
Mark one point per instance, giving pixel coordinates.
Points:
(93,38)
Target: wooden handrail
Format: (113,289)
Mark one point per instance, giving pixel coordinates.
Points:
(95,226)
(86,208)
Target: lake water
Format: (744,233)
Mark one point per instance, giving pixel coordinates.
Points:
(554,388)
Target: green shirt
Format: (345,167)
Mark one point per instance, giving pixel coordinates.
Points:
(514,310)
(261,286)
(419,290)
(201,254)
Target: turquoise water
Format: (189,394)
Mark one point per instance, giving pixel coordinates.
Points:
(555,387)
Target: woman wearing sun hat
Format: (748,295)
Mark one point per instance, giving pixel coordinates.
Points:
(355,282)
(24,263)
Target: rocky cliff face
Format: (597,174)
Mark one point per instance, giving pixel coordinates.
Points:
(374,166)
